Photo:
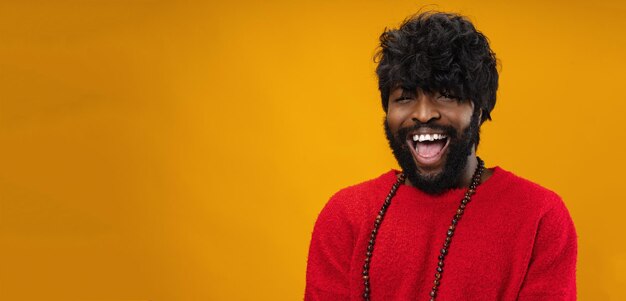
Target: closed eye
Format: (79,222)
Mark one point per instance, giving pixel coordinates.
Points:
(447,97)
(404,98)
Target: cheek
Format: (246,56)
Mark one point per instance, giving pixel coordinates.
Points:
(464,116)
(396,117)
(467,118)
(392,119)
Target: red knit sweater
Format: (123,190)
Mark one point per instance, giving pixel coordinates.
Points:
(515,241)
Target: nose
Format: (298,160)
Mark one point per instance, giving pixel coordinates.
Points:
(424,110)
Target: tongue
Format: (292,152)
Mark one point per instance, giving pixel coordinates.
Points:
(429,149)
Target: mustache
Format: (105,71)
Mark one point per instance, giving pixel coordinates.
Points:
(403,133)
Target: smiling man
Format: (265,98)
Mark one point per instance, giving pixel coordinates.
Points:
(445,227)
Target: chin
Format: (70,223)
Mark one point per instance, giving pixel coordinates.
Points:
(430,173)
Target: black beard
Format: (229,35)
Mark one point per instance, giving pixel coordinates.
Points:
(459,149)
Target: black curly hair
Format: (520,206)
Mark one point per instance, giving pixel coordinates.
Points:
(438,52)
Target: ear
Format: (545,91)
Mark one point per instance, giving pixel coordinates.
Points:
(483,116)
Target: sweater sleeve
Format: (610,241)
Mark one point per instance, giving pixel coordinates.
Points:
(551,273)
(330,252)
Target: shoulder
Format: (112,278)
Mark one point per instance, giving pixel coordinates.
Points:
(367,188)
(524,194)
(335,236)
(530,208)
(354,202)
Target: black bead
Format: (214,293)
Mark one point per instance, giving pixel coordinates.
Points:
(439,269)
(444,251)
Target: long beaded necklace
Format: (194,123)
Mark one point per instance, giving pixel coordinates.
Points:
(443,252)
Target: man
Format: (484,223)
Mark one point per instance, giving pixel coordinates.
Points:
(445,227)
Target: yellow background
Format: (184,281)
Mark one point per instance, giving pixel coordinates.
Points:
(181,150)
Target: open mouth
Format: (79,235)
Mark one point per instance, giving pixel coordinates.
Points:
(428,149)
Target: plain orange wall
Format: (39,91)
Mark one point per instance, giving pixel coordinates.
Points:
(181,150)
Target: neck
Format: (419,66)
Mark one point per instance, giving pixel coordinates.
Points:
(470,168)
(468,171)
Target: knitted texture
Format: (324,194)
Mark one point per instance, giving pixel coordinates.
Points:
(515,241)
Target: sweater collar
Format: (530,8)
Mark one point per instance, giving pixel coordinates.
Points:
(450,195)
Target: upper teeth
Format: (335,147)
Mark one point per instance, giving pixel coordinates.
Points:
(428,137)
